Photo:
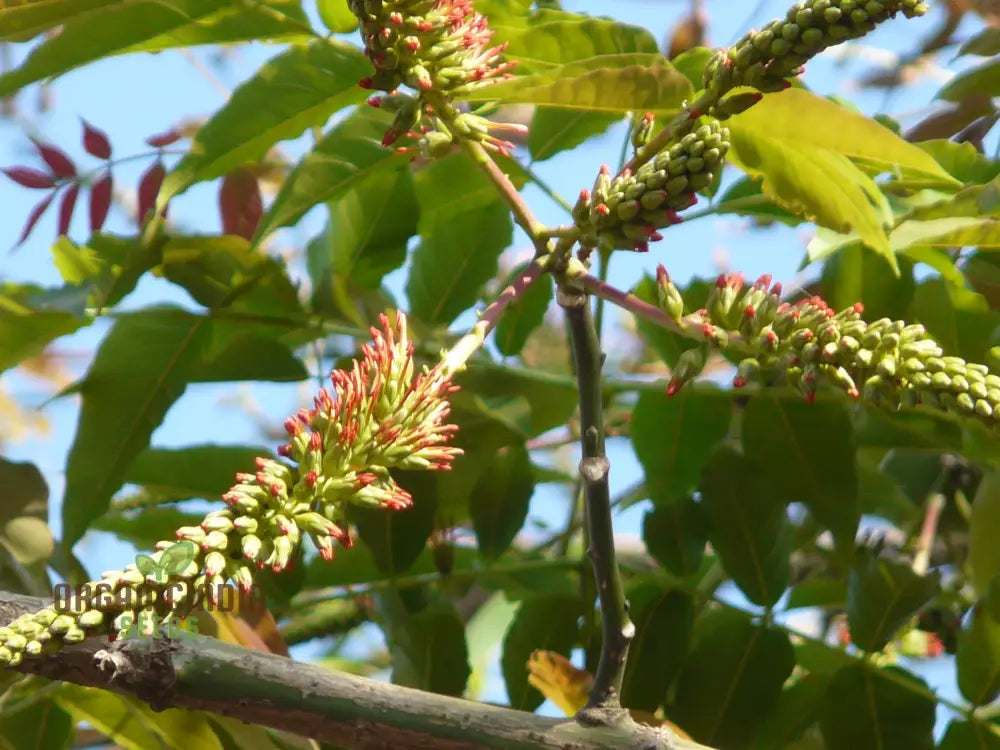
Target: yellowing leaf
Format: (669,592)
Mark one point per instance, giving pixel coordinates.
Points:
(799,117)
(818,184)
(559,681)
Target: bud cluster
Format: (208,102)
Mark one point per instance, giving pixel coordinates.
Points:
(767,58)
(626,211)
(380,415)
(440,49)
(807,343)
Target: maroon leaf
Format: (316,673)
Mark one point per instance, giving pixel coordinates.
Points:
(58,162)
(95,141)
(34,216)
(149,188)
(66,207)
(100,201)
(164,139)
(30,178)
(240,203)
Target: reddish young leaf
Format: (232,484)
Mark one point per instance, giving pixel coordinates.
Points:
(240,203)
(58,162)
(30,178)
(66,207)
(95,141)
(164,139)
(149,188)
(100,201)
(34,216)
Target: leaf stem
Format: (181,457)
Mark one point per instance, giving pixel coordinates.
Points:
(522,214)
(603,706)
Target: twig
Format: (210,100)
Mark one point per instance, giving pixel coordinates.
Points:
(689,326)
(522,214)
(932,514)
(603,706)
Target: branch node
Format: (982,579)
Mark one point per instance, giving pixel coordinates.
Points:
(595,469)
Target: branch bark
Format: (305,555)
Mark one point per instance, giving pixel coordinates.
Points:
(203,674)
(604,706)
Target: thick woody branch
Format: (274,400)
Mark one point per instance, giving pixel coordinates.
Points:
(204,674)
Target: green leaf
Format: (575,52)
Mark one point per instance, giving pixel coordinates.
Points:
(429,652)
(21,22)
(749,530)
(43,726)
(132,725)
(543,622)
(797,708)
(499,500)
(983,80)
(663,619)
(961,231)
(977,658)
(196,471)
(962,161)
(746,198)
(104,32)
(551,399)
(369,227)
(523,315)
(882,596)
(809,452)
(463,228)
(865,708)
(24,530)
(225,271)
(396,538)
(337,16)
(800,117)
(147,526)
(691,62)
(818,184)
(142,366)
(820,591)
(296,90)
(553,37)
(731,679)
(984,552)
(27,327)
(555,130)
(673,438)
(266,20)
(986,43)
(853,275)
(968,735)
(676,534)
(607,83)
(334,166)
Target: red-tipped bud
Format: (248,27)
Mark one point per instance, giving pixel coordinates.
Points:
(584,196)
(602,209)
(662,277)
(859,308)
(316,442)
(311,478)
(749,312)
(605,169)
(720,282)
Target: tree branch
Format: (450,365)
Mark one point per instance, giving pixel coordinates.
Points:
(204,674)
(604,705)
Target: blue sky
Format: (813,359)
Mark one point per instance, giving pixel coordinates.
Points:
(139,95)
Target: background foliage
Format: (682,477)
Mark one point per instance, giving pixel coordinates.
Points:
(763,619)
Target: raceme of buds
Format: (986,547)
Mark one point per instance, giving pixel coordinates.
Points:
(767,58)
(440,49)
(381,414)
(626,211)
(806,344)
